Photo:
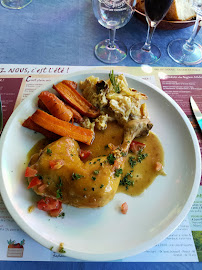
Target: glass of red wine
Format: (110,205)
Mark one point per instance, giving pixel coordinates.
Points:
(148,53)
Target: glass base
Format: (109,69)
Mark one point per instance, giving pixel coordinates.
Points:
(15,4)
(111,55)
(145,57)
(179,54)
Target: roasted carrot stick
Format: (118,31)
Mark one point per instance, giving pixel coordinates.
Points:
(56,106)
(28,123)
(78,102)
(62,128)
(76,115)
(42,106)
(71,84)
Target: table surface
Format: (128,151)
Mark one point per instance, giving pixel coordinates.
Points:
(65,33)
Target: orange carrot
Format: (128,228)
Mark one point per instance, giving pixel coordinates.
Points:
(76,115)
(56,106)
(42,106)
(78,102)
(28,123)
(62,128)
(71,84)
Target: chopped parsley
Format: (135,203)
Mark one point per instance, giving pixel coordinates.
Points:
(61,250)
(106,146)
(85,189)
(125,181)
(113,81)
(96,172)
(62,215)
(93,189)
(133,161)
(76,176)
(101,186)
(118,172)
(51,248)
(49,151)
(59,190)
(111,158)
(94,178)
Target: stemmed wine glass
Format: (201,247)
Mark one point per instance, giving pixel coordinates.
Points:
(15,4)
(188,52)
(112,14)
(148,53)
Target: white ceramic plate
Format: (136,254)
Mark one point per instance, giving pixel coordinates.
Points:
(106,234)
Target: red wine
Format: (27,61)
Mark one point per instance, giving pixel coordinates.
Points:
(157,9)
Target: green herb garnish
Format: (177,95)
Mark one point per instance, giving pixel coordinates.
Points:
(102,186)
(61,250)
(51,248)
(132,161)
(111,158)
(126,181)
(49,151)
(113,81)
(118,172)
(94,178)
(76,176)
(59,190)
(96,172)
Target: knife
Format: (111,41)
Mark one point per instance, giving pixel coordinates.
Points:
(196,112)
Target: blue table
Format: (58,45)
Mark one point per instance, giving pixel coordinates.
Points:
(64,33)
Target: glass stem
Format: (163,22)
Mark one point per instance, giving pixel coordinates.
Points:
(189,45)
(112,33)
(150,31)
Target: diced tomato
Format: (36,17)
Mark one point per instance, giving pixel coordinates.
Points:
(84,154)
(34,182)
(56,164)
(136,146)
(158,166)
(42,187)
(55,212)
(29,172)
(124,208)
(48,204)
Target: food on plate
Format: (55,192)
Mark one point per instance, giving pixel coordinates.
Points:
(72,97)
(124,208)
(180,10)
(125,156)
(116,101)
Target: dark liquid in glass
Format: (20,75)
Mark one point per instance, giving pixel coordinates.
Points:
(157,9)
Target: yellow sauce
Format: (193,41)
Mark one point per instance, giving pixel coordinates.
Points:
(143,174)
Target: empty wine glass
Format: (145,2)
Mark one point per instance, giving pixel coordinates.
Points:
(188,52)
(15,4)
(112,14)
(148,53)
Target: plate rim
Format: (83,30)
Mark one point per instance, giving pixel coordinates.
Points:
(118,255)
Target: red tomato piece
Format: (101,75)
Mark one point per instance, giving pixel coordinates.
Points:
(56,164)
(136,146)
(34,182)
(84,154)
(29,172)
(55,212)
(124,208)
(48,204)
